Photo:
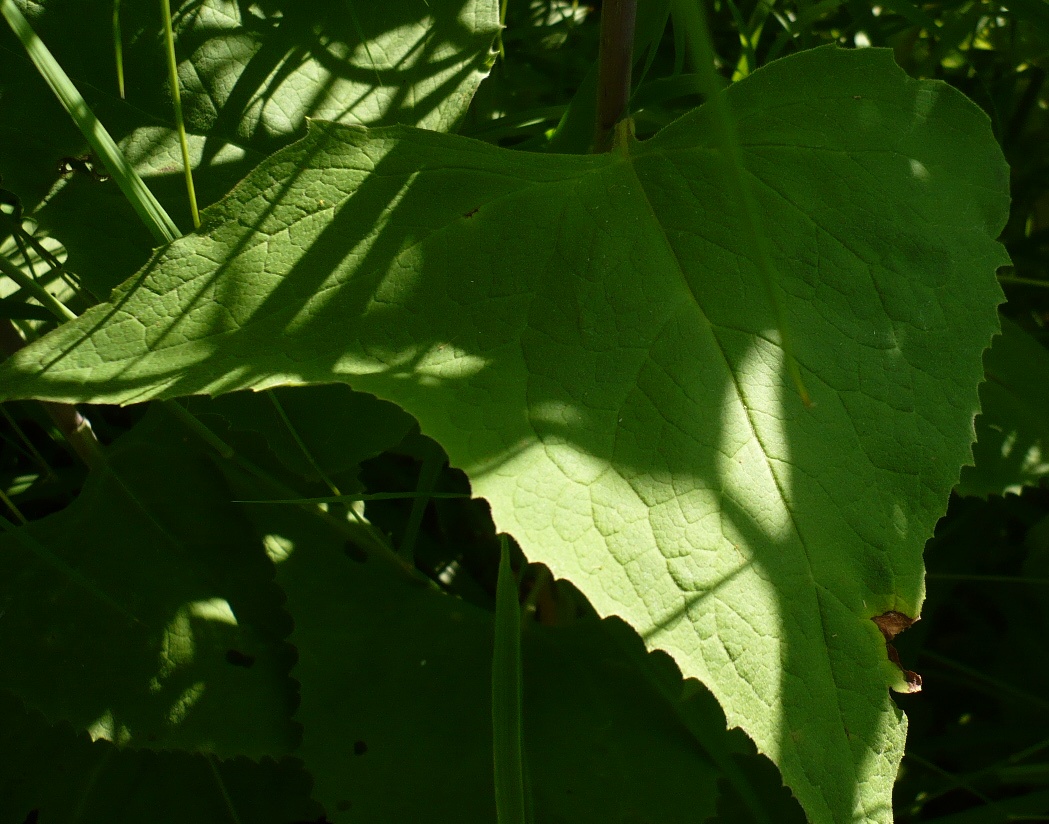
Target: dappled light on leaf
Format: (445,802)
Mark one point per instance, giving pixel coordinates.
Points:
(622,403)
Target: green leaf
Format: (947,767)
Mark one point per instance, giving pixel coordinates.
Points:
(66,777)
(590,339)
(145,613)
(396,692)
(1012,430)
(250,74)
(338,427)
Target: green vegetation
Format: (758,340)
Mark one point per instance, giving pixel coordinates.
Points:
(718,385)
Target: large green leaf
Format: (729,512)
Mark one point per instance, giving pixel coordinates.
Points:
(251,74)
(591,340)
(146,613)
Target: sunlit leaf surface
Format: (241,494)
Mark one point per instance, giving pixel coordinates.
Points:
(590,339)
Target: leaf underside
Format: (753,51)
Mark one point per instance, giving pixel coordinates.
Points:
(590,339)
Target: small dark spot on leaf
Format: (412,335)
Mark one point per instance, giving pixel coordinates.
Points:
(359,748)
(239,659)
(472,212)
(891,624)
(355,552)
(33,817)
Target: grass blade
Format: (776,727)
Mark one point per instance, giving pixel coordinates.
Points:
(176,102)
(102,144)
(52,303)
(507,737)
(118,47)
(432,464)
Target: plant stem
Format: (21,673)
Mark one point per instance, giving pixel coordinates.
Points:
(31,450)
(361,532)
(1018,281)
(11,506)
(118,47)
(616,60)
(275,401)
(990,579)
(430,470)
(75,428)
(176,102)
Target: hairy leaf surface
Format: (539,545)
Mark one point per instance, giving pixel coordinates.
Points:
(591,340)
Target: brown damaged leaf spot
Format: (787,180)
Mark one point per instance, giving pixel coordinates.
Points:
(891,624)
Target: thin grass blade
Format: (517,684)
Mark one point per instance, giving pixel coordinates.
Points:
(102,144)
(507,738)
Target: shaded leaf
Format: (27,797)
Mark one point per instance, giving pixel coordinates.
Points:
(396,692)
(590,339)
(1012,430)
(67,778)
(145,612)
(330,428)
(776,802)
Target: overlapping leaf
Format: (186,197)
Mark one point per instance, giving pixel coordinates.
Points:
(314,431)
(590,339)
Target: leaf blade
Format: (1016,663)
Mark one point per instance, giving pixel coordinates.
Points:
(617,390)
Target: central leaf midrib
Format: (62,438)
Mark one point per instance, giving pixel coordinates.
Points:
(724,356)
(627,161)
